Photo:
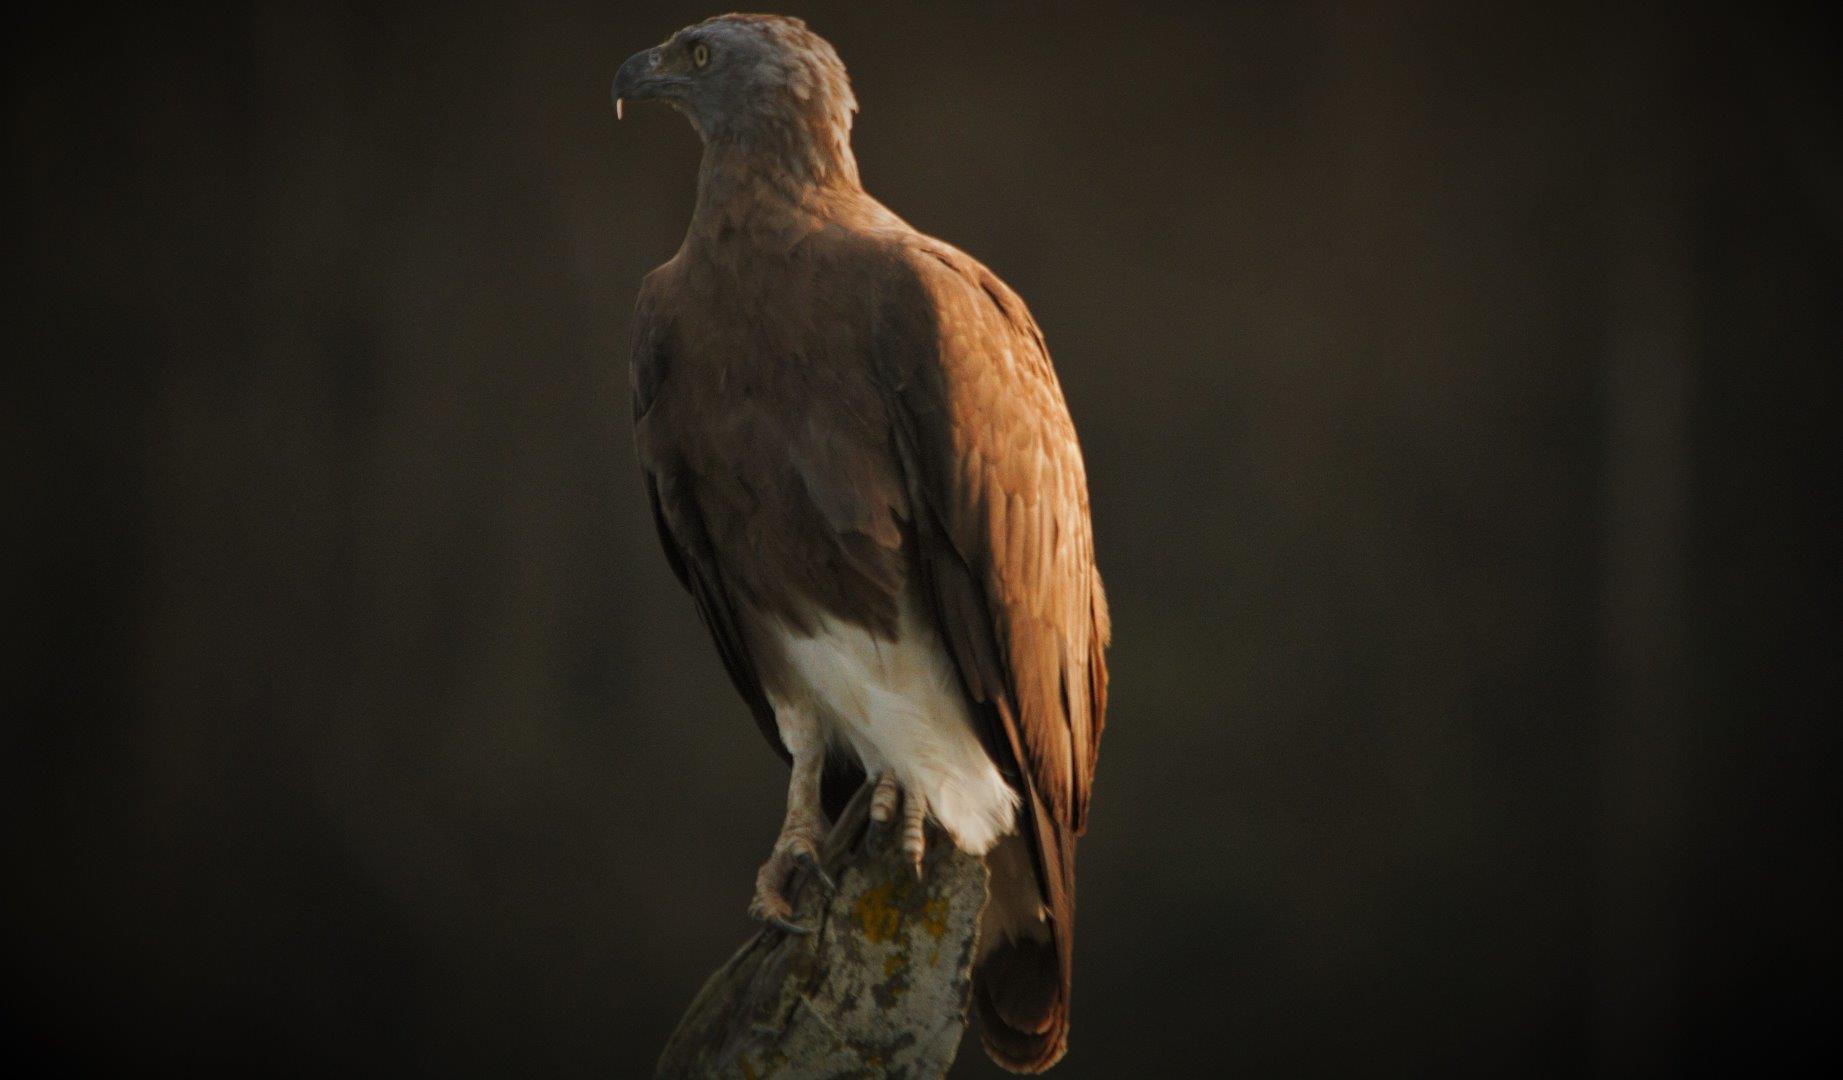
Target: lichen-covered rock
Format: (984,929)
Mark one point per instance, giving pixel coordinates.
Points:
(879,988)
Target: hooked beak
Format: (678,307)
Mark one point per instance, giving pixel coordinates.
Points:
(637,80)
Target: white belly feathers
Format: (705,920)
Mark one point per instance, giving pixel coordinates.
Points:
(899,705)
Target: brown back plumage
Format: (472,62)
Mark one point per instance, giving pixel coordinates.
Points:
(1006,547)
(832,410)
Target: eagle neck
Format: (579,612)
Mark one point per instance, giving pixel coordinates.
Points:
(774,177)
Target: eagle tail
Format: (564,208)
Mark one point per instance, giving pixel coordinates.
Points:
(1023,1005)
(1021,985)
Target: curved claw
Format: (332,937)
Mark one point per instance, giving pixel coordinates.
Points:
(807,861)
(787,927)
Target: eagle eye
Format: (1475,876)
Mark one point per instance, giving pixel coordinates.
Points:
(700,54)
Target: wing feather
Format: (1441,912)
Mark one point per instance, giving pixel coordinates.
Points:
(1001,506)
(681,525)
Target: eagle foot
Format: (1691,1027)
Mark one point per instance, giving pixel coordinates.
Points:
(797,849)
(887,801)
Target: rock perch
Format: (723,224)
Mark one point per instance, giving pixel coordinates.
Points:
(879,988)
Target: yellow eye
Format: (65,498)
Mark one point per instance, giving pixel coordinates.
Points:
(700,54)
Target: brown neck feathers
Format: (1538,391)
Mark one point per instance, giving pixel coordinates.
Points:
(772,168)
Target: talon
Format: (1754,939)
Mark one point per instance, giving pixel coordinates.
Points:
(770,908)
(793,850)
(810,863)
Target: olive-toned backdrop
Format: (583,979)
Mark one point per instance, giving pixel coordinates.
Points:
(1454,382)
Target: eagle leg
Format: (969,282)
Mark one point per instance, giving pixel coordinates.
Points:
(802,831)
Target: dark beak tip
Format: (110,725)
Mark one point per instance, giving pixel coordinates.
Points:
(630,82)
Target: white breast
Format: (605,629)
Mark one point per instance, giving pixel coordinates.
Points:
(899,705)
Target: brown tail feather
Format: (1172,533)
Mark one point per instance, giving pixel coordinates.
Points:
(1023,1006)
(1021,988)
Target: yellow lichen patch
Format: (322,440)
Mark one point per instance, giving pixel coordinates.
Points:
(895,963)
(878,914)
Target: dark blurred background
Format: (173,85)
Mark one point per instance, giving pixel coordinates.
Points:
(1456,385)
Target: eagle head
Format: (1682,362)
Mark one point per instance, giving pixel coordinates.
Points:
(760,79)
